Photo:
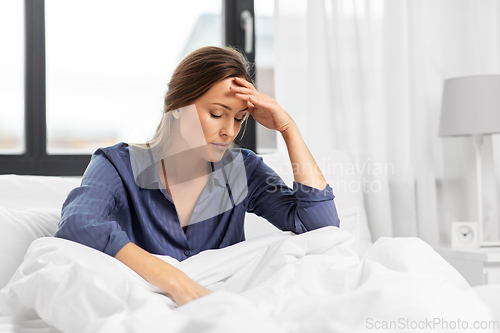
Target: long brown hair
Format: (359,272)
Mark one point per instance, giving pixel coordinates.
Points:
(193,77)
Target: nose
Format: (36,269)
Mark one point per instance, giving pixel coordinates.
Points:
(228,128)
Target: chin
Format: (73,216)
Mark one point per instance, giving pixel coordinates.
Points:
(213,155)
(216,156)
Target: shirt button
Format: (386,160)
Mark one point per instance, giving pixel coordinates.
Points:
(186,253)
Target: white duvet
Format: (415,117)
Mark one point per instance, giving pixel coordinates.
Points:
(282,282)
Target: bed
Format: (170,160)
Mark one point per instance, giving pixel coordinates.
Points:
(326,280)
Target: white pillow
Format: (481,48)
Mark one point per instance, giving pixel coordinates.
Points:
(341,175)
(256,226)
(35,191)
(18,229)
(350,221)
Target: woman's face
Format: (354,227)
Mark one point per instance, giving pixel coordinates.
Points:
(220,114)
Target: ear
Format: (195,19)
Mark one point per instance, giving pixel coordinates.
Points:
(176,113)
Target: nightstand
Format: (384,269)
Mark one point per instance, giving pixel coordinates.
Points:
(477,266)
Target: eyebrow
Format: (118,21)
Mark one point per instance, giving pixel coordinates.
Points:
(228,108)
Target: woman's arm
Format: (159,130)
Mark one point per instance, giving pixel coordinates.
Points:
(305,169)
(85,220)
(266,111)
(310,204)
(173,281)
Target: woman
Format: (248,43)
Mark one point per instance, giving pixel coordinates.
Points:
(189,195)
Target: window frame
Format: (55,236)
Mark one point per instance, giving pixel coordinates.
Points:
(35,160)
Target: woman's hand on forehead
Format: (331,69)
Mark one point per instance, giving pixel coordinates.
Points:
(263,108)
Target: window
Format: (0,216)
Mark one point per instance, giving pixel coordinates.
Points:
(106,80)
(12,77)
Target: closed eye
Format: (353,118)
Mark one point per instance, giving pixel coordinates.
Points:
(217,117)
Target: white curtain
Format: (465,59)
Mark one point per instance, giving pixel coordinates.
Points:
(366,76)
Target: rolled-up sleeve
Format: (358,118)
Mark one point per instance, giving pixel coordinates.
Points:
(300,209)
(85,216)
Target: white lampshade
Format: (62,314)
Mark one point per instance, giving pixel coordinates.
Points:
(471,105)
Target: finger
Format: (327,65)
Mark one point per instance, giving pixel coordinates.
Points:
(241,90)
(252,101)
(250,105)
(258,102)
(244,83)
(244,97)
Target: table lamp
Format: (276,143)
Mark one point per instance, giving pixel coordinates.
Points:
(471,106)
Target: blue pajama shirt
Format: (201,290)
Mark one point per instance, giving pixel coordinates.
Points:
(109,209)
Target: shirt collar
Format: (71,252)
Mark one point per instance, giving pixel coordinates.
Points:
(146,173)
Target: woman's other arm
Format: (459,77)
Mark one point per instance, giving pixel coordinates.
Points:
(180,287)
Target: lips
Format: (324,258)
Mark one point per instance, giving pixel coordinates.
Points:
(219,146)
